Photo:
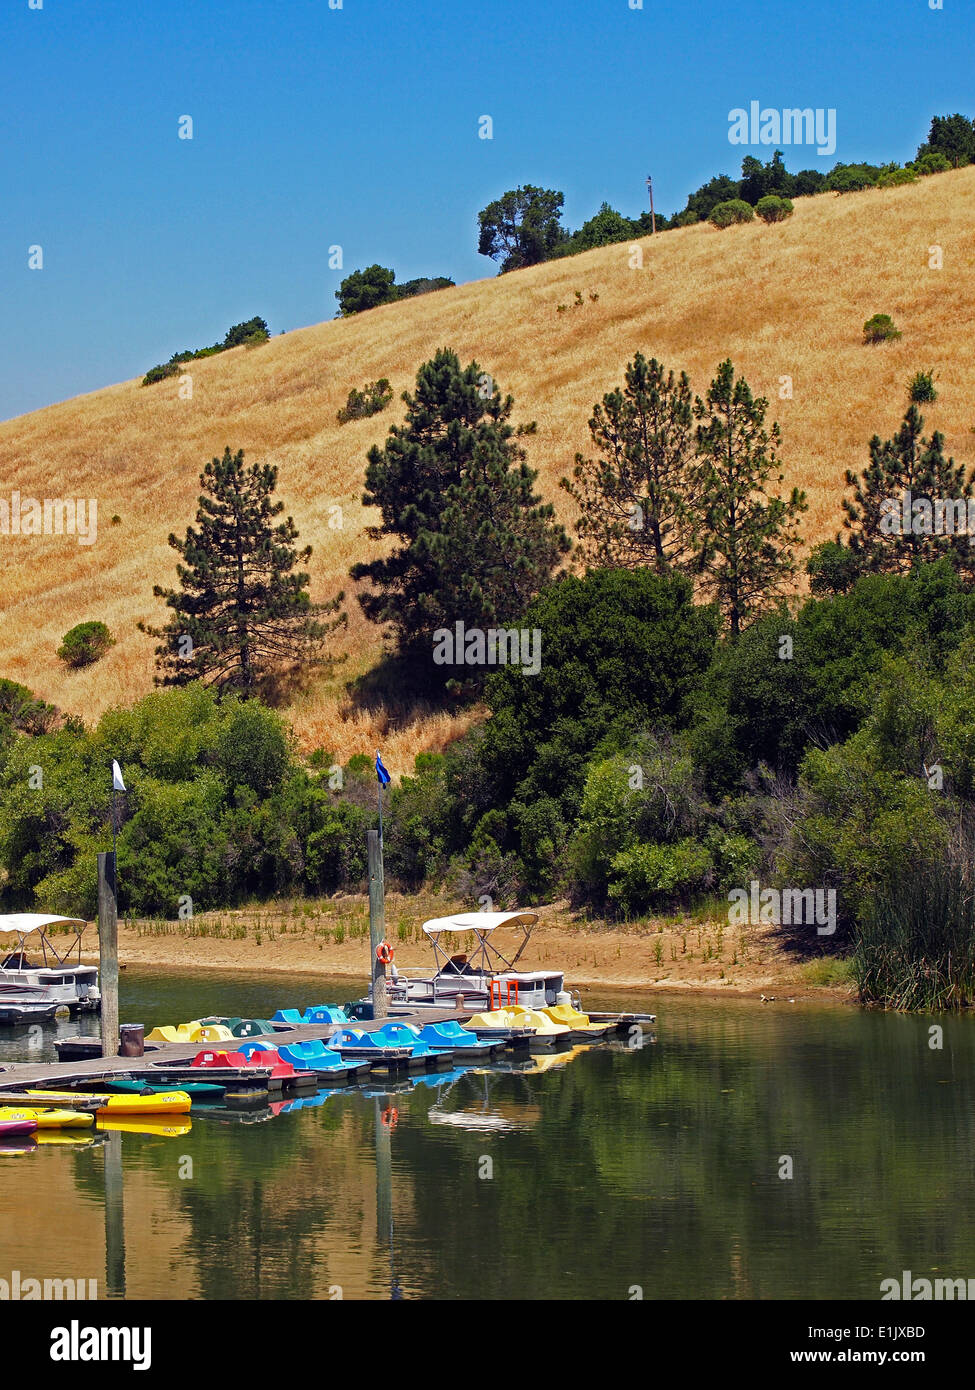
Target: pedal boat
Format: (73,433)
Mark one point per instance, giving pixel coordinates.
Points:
(580,1025)
(497,1025)
(545,1035)
(361,1046)
(426,1055)
(193,1032)
(327,1065)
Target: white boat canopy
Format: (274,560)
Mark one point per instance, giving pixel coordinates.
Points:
(480,925)
(25,924)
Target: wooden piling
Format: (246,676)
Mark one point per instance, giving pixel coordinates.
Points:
(377,922)
(108,952)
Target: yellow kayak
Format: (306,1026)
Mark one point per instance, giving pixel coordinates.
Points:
(66,1138)
(49,1119)
(165,1103)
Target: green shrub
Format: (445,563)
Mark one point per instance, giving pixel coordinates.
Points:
(160,373)
(921,388)
(771,208)
(880,329)
(737,858)
(375,397)
(246,334)
(851,178)
(85,644)
(733,211)
(891,178)
(933,162)
(659,876)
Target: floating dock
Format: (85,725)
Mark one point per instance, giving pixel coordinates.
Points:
(166,1060)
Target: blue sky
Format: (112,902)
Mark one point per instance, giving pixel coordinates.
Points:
(359,127)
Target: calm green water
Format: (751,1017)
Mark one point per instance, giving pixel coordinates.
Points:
(656,1167)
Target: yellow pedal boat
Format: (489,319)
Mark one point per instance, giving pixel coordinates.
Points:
(49,1119)
(165,1103)
(546,1035)
(579,1024)
(192,1032)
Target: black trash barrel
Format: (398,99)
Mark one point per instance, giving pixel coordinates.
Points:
(133,1040)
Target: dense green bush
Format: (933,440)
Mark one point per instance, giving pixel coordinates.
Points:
(932,162)
(893,178)
(733,211)
(880,328)
(374,397)
(852,178)
(774,209)
(648,877)
(248,334)
(85,644)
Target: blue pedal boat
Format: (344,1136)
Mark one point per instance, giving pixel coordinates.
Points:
(325,1013)
(327,1063)
(361,1046)
(466,1046)
(429,1054)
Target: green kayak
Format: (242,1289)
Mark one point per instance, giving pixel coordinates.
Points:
(197,1090)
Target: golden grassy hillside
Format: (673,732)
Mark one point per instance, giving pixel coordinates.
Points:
(786,300)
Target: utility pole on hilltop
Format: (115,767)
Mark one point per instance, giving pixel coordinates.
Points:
(653,220)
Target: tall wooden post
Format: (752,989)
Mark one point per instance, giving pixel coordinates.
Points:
(653,219)
(108,953)
(377,921)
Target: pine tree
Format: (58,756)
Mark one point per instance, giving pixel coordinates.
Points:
(891,519)
(242,613)
(453,487)
(635,499)
(747,535)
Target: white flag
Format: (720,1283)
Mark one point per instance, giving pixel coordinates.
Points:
(117,784)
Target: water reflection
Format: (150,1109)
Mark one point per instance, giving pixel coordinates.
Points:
(577,1175)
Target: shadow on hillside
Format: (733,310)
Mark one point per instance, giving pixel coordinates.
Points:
(397,692)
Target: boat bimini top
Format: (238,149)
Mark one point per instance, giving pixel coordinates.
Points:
(25,925)
(487,958)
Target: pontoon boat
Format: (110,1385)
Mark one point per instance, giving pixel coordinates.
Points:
(486,977)
(31,993)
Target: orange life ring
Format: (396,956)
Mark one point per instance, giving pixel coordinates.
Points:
(389,1117)
(384,953)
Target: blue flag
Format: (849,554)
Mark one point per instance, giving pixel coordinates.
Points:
(381,773)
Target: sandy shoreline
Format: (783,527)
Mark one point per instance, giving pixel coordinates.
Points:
(331,938)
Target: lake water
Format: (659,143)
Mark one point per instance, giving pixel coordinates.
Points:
(655,1169)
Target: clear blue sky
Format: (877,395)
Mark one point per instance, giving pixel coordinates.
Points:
(358,127)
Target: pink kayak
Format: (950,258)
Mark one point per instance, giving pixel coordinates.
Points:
(10,1129)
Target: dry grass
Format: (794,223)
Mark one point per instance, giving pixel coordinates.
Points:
(781,300)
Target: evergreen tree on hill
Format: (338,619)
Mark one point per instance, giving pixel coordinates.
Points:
(242,614)
(454,490)
(747,534)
